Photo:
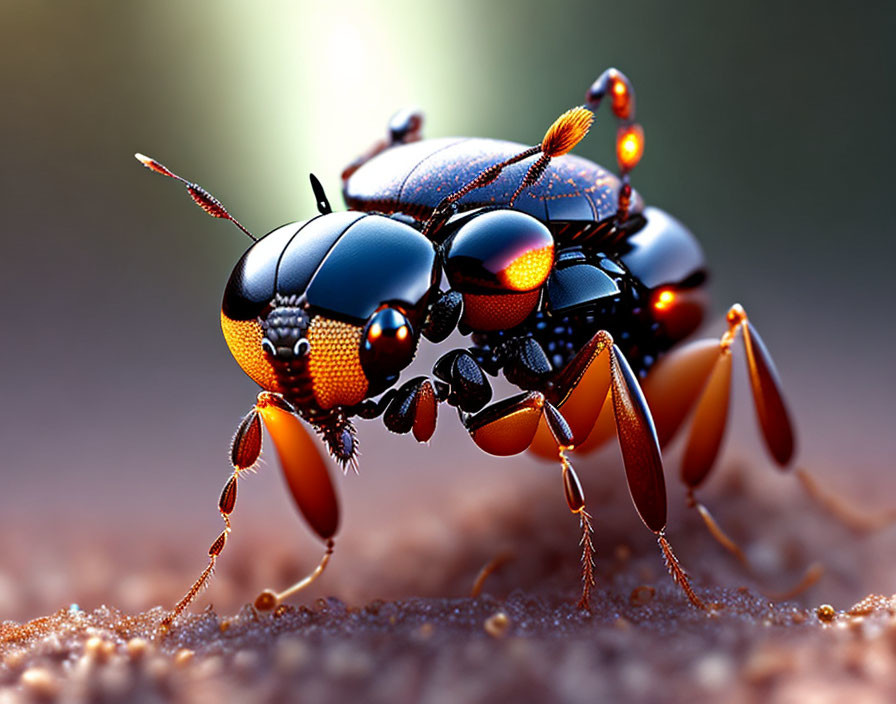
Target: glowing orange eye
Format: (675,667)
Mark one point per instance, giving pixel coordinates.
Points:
(629,146)
(664,300)
(388,344)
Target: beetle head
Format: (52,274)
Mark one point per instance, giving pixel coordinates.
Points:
(328,312)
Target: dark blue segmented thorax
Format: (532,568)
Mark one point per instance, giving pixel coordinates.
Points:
(575,197)
(342,265)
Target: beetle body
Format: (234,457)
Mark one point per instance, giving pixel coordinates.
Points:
(575,197)
(608,273)
(565,282)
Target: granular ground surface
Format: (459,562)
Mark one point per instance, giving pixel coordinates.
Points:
(523,639)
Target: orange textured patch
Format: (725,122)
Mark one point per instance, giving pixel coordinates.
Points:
(529,270)
(244,340)
(334,363)
(498,311)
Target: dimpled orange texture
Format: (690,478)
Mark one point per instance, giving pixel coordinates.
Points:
(244,340)
(498,311)
(334,363)
(529,270)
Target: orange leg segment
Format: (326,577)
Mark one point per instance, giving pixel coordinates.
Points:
(599,371)
(698,376)
(507,428)
(306,475)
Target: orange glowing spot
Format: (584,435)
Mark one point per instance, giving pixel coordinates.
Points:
(529,270)
(629,146)
(664,300)
(402,333)
(375,331)
(622,99)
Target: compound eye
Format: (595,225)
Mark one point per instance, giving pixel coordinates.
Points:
(500,250)
(388,343)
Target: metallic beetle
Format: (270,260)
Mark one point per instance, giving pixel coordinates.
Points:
(565,282)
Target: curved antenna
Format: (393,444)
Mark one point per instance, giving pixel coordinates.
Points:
(564,134)
(629,134)
(323,205)
(200,196)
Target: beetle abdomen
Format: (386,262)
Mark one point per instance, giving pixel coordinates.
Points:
(413,178)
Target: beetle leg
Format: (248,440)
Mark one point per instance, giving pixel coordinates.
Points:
(575,388)
(443,316)
(338,432)
(524,362)
(856,518)
(643,464)
(306,476)
(600,371)
(698,376)
(404,126)
(413,408)
(244,452)
(507,427)
(575,499)
(468,388)
(308,479)
(691,366)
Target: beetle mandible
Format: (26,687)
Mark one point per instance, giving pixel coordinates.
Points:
(564,280)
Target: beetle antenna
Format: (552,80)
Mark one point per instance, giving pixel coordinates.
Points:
(200,196)
(323,205)
(564,134)
(629,134)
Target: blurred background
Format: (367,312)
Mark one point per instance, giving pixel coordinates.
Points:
(769,132)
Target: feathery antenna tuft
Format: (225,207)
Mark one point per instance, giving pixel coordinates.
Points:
(567,131)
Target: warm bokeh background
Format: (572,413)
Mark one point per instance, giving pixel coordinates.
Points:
(769,132)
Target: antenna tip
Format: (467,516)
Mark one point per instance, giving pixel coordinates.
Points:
(567,131)
(153,165)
